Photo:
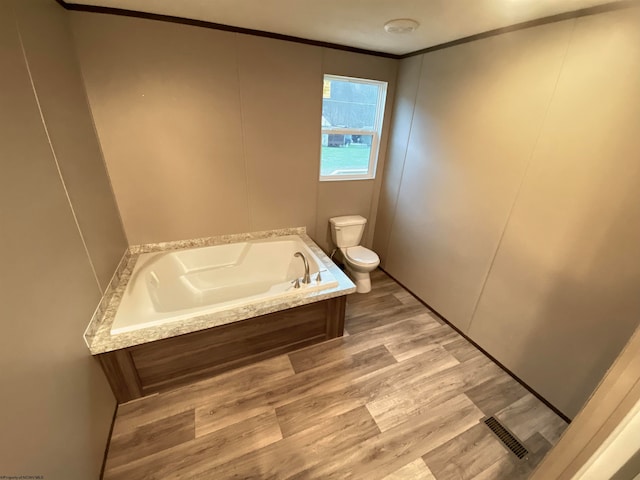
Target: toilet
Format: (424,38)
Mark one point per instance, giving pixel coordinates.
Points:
(347,232)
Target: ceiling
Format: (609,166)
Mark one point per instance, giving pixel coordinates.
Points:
(358,23)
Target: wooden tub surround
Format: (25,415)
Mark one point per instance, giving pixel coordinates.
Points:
(161,365)
(161,356)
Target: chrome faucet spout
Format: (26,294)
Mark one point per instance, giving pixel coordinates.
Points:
(306,279)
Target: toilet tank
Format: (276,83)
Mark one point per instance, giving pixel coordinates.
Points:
(347,231)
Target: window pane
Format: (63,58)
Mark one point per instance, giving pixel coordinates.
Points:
(349,104)
(345,154)
(352,110)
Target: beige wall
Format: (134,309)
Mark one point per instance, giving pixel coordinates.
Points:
(567,268)
(516,196)
(207,132)
(476,120)
(57,407)
(594,440)
(402,120)
(61,94)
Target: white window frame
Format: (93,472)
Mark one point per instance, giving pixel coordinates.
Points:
(375,132)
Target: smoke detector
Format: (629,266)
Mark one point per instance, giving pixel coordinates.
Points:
(401,25)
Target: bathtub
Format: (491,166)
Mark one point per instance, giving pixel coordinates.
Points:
(171,286)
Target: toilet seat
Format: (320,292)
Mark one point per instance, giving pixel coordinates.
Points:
(361,256)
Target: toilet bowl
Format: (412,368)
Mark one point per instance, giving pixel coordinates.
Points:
(359,261)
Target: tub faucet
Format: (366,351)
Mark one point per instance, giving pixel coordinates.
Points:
(306,279)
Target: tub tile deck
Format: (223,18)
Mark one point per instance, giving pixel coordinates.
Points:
(400,397)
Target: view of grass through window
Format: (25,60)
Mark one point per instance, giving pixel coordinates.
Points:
(347,160)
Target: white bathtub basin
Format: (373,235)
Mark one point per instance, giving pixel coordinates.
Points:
(171,286)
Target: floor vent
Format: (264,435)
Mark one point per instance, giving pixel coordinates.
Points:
(505,437)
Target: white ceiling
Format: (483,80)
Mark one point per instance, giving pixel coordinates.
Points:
(359,23)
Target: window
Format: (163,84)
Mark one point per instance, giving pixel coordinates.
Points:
(352,110)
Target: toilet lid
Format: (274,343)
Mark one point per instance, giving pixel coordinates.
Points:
(361,255)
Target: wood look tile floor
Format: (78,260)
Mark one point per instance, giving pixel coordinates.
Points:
(400,396)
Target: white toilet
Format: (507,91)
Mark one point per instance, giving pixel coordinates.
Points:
(346,233)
